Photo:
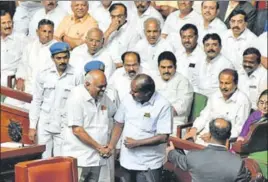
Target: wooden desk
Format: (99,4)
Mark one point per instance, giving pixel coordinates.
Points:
(11,156)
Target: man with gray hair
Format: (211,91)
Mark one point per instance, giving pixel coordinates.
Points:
(144,119)
(153,45)
(90,111)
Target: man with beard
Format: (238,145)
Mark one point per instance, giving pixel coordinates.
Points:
(90,112)
(122,77)
(144,119)
(206,75)
(145,11)
(174,87)
(237,39)
(253,79)
(150,47)
(50,11)
(12,45)
(48,108)
(92,49)
(229,103)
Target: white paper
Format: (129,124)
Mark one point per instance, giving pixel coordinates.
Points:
(13,145)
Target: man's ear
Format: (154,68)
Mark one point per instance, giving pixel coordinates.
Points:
(87,84)
(218,11)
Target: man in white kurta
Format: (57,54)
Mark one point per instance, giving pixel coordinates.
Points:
(50,11)
(90,114)
(207,75)
(47,112)
(92,50)
(12,45)
(175,88)
(253,78)
(229,103)
(150,47)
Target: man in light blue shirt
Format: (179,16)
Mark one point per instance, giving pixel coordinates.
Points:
(144,119)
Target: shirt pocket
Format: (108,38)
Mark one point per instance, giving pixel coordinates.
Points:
(46,107)
(48,89)
(148,125)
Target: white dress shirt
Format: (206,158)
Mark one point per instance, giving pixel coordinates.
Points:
(261,44)
(149,53)
(174,23)
(80,56)
(121,41)
(142,121)
(254,84)
(11,53)
(56,16)
(233,48)
(179,92)
(36,57)
(95,118)
(102,16)
(207,75)
(188,64)
(236,110)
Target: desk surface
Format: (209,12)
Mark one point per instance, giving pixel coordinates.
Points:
(17,152)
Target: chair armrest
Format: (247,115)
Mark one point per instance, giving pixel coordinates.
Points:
(9,80)
(180,127)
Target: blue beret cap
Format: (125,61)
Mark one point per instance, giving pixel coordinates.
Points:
(94,65)
(59,47)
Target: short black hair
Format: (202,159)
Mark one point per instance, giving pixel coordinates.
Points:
(131,52)
(231,72)
(115,5)
(187,27)
(168,56)
(45,22)
(212,36)
(145,83)
(255,51)
(239,12)
(220,134)
(4,12)
(218,4)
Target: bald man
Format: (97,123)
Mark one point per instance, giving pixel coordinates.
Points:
(90,113)
(214,163)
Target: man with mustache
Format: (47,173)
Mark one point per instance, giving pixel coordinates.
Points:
(122,77)
(92,49)
(229,103)
(254,76)
(191,55)
(47,112)
(12,45)
(50,11)
(145,11)
(174,87)
(152,45)
(237,39)
(206,76)
(90,113)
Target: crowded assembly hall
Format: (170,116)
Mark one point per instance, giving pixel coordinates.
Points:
(134,91)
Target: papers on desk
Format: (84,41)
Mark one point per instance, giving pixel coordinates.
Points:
(13,145)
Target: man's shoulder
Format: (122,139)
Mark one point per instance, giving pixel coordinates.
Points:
(80,49)
(161,100)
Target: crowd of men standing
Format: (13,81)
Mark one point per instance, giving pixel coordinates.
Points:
(109,75)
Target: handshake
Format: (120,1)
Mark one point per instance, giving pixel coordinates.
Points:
(105,151)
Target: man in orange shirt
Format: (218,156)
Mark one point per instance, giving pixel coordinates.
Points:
(74,28)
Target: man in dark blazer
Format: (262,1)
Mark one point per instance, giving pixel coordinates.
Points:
(214,163)
(239,5)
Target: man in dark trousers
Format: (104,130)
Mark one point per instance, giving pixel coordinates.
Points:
(214,163)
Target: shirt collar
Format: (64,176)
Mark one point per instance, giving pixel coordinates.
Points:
(215,59)
(243,35)
(152,100)
(187,16)
(147,12)
(216,145)
(80,20)
(9,37)
(86,94)
(69,70)
(233,98)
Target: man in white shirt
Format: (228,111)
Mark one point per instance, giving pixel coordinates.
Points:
(189,58)
(229,103)
(177,19)
(50,11)
(92,50)
(237,39)
(253,79)
(145,11)
(121,35)
(209,68)
(48,108)
(90,112)
(152,45)
(174,87)
(144,119)
(210,23)
(131,67)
